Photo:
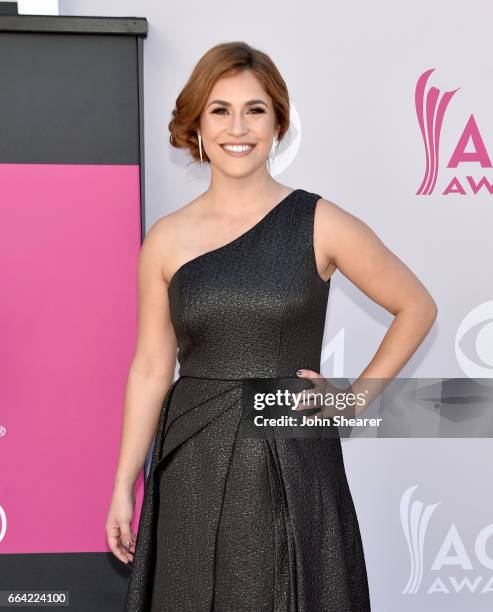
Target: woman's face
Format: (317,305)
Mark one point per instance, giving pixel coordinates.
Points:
(238,111)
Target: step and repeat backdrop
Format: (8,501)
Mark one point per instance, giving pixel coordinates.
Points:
(390,119)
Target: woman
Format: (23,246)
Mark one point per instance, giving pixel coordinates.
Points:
(238,281)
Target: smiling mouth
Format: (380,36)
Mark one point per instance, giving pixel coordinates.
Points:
(237,150)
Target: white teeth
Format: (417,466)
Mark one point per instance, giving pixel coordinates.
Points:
(237,148)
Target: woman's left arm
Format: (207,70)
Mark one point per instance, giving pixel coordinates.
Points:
(347,243)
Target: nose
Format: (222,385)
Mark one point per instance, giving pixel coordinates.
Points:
(237,126)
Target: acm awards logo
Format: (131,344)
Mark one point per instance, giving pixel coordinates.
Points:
(455,571)
(431,105)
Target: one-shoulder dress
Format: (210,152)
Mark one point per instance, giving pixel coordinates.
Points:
(232,522)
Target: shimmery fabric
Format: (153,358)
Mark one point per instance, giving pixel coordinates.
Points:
(231,522)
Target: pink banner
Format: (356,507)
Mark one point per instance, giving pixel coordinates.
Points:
(69,240)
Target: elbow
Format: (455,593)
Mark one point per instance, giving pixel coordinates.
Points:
(424,310)
(429,311)
(433,309)
(150,370)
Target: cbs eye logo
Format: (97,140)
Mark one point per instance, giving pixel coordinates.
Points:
(474,343)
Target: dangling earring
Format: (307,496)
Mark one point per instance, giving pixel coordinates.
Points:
(272,153)
(200,146)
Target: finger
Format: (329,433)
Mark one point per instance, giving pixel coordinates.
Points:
(121,555)
(127,553)
(133,542)
(299,399)
(318,381)
(116,537)
(304,373)
(127,538)
(316,378)
(114,546)
(305,403)
(311,398)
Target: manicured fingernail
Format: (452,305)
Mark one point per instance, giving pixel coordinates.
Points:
(299,372)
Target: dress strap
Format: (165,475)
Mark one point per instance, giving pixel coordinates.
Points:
(307,232)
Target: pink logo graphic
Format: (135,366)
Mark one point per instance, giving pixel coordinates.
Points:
(430,109)
(430,119)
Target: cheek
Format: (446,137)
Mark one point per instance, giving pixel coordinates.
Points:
(212,125)
(264,128)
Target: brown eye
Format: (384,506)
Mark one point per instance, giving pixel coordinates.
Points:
(256,110)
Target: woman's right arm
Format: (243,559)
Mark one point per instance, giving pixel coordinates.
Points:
(149,378)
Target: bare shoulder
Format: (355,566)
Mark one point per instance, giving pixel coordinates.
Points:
(167,233)
(329,213)
(338,231)
(166,226)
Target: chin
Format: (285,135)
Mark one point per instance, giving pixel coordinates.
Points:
(238,168)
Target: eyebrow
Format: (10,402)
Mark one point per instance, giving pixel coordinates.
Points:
(249,103)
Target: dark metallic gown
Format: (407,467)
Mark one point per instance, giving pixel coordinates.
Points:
(232,522)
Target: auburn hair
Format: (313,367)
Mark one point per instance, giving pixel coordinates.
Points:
(224,59)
